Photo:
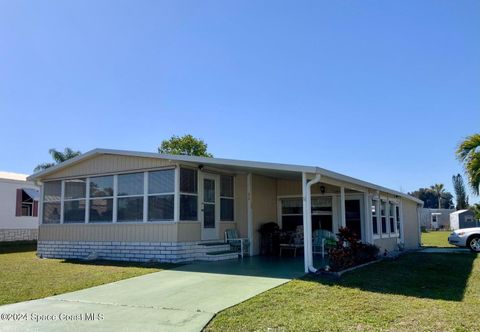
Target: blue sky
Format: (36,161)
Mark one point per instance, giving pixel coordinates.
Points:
(379,90)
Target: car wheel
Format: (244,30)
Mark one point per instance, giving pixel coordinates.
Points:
(474,243)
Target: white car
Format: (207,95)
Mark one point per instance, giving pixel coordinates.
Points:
(466,237)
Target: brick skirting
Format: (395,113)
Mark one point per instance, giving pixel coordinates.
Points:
(171,252)
(8,235)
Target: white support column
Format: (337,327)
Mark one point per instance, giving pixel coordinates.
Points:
(176,198)
(368,218)
(387,217)
(343,222)
(40,202)
(62,201)
(87,201)
(249,213)
(379,215)
(305,221)
(115,199)
(400,213)
(145,196)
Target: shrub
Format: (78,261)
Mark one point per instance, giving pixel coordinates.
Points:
(350,251)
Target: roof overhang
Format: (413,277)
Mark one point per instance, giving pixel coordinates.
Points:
(227,164)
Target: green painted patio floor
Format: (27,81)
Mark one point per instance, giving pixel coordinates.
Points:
(181,299)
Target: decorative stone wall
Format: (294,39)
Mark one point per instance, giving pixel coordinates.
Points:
(7,235)
(171,252)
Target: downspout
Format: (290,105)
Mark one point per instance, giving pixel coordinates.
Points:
(308,231)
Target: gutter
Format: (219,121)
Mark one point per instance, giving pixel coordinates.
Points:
(307,238)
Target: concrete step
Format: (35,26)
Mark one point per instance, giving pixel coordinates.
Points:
(221,252)
(203,248)
(218,256)
(213,243)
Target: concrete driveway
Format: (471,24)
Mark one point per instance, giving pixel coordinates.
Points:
(181,299)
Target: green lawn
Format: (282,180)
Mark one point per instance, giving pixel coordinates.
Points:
(23,276)
(436,239)
(417,292)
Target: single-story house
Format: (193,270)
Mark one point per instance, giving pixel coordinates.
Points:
(462,219)
(18,207)
(435,218)
(125,205)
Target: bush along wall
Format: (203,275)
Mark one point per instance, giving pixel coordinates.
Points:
(350,251)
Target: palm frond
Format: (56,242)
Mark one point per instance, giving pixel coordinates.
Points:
(43,166)
(468,147)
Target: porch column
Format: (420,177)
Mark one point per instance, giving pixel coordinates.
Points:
(343,222)
(378,214)
(401,235)
(249,213)
(305,221)
(367,215)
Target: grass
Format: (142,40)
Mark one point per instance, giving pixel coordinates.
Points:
(24,276)
(417,292)
(436,239)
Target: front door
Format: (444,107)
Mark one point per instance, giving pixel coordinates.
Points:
(210,207)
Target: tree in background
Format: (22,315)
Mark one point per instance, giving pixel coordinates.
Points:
(460,192)
(184,145)
(58,157)
(430,199)
(468,152)
(439,190)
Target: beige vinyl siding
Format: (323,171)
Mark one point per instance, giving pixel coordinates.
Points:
(241,205)
(410,224)
(107,163)
(264,205)
(142,232)
(189,231)
(386,243)
(294,188)
(289,187)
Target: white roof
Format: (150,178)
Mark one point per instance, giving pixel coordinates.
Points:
(460,211)
(13,176)
(225,163)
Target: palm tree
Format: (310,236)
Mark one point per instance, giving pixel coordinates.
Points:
(58,157)
(468,152)
(439,190)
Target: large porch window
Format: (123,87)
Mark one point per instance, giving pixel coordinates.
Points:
(101,199)
(75,201)
(292,213)
(226,198)
(52,192)
(188,194)
(161,191)
(383,216)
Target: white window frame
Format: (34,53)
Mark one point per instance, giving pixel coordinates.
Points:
(64,183)
(42,198)
(385,215)
(392,208)
(280,213)
(180,193)
(375,201)
(227,197)
(118,197)
(90,199)
(174,193)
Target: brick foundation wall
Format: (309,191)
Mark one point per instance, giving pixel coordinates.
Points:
(171,252)
(7,235)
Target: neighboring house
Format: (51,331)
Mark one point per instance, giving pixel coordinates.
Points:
(125,205)
(462,219)
(435,218)
(18,207)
